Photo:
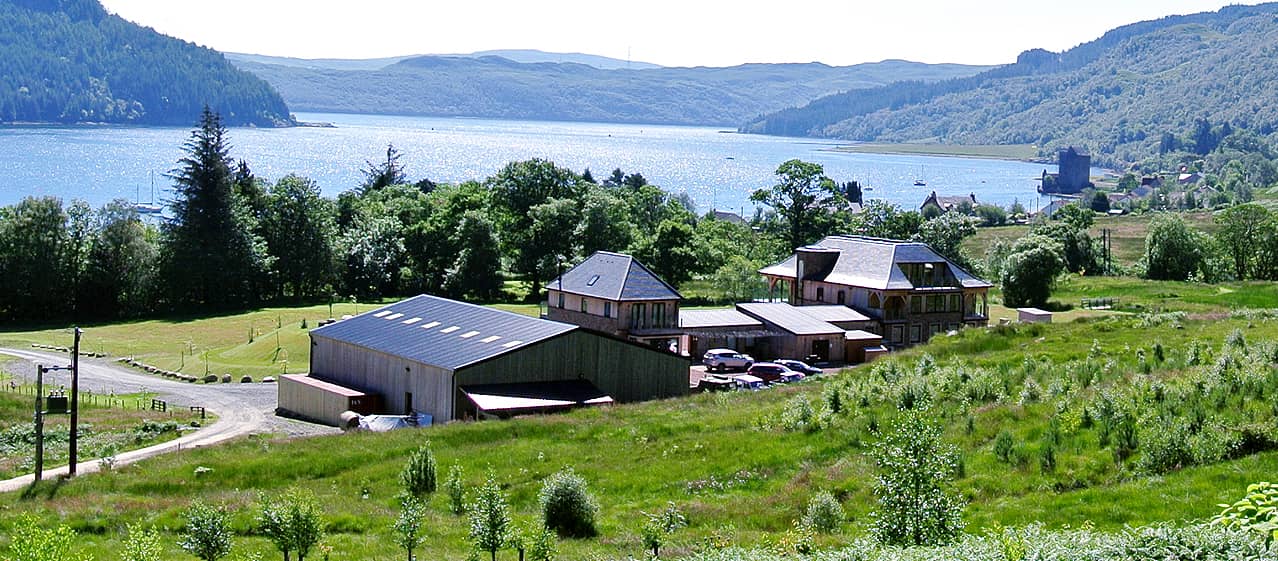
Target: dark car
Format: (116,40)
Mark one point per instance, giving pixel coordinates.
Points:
(798,366)
(772,372)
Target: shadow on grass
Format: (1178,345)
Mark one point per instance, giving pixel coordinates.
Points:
(45,489)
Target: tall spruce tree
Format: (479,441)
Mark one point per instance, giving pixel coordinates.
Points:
(211,256)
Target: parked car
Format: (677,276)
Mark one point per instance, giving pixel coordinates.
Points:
(773,373)
(748,382)
(798,366)
(715,383)
(723,359)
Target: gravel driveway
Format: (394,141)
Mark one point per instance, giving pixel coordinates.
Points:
(241,408)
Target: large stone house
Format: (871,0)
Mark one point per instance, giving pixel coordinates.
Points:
(614,293)
(909,290)
(945,203)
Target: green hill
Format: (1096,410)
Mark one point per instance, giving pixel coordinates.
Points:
(1126,419)
(1119,95)
(498,87)
(70,61)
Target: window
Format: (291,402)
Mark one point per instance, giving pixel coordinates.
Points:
(916,304)
(659,314)
(915,333)
(638,316)
(935,303)
(843,297)
(607,309)
(954,303)
(592,280)
(561,300)
(820,294)
(584,309)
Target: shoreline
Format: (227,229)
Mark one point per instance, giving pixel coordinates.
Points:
(1013,152)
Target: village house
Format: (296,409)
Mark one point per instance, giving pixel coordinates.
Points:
(908,291)
(614,293)
(946,203)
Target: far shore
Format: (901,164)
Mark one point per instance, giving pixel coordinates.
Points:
(1013,152)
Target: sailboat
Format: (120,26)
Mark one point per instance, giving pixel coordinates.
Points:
(920,182)
(148,207)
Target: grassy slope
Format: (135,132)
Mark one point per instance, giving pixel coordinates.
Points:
(638,457)
(1127,234)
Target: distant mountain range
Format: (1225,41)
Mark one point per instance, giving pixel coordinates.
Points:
(1126,96)
(69,61)
(557,86)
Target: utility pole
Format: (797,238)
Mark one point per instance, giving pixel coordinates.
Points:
(39,423)
(75,398)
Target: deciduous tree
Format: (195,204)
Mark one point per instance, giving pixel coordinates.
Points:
(804,201)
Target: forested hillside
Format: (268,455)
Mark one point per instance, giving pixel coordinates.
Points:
(497,87)
(1138,90)
(69,61)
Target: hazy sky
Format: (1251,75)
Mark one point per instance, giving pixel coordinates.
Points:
(671,33)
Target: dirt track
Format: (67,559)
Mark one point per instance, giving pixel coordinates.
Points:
(242,409)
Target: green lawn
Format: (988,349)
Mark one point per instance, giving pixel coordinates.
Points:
(1127,234)
(732,465)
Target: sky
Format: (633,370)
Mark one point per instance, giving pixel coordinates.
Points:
(665,32)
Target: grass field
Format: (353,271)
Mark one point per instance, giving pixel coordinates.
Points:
(109,424)
(991,151)
(735,464)
(1127,234)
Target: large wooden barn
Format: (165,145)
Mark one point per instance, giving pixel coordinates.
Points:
(453,360)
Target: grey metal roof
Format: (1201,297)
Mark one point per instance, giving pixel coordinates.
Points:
(790,318)
(872,263)
(442,332)
(727,317)
(614,276)
(834,313)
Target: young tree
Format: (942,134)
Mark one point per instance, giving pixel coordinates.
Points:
(489,519)
(141,544)
(210,258)
(408,525)
(207,534)
(1241,230)
(915,468)
(1172,250)
(1029,271)
(803,200)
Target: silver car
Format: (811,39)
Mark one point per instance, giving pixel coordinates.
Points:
(724,359)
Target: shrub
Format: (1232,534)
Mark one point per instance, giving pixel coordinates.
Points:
(542,546)
(141,544)
(207,534)
(29,542)
(408,524)
(1165,448)
(824,513)
(1005,446)
(567,506)
(1257,511)
(418,476)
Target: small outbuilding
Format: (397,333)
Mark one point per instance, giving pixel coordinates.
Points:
(1033,315)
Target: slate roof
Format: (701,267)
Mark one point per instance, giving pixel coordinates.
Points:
(835,313)
(948,202)
(872,263)
(788,318)
(701,319)
(616,277)
(442,332)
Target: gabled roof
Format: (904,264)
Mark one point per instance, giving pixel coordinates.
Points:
(442,332)
(614,276)
(948,202)
(790,318)
(872,263)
